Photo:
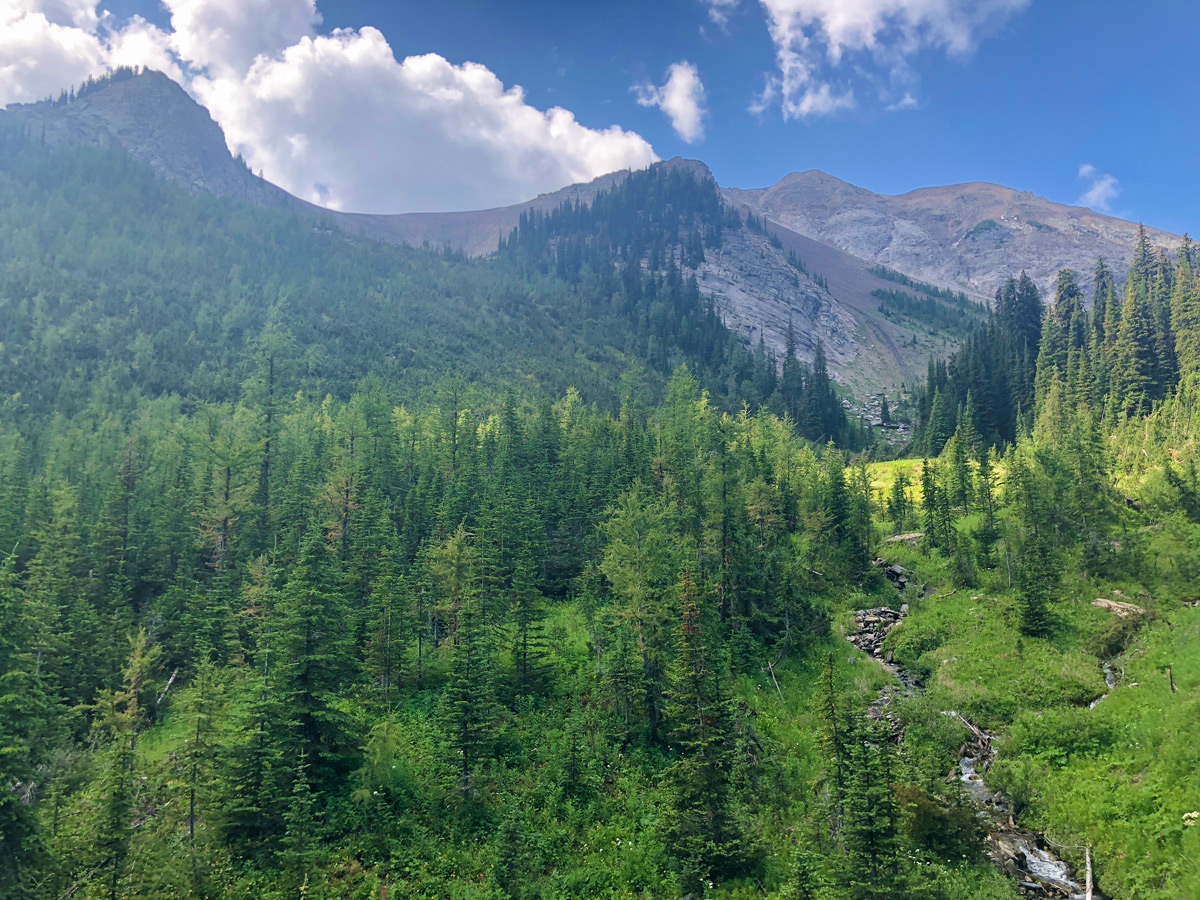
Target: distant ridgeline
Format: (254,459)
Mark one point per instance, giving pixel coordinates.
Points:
(1120,358)
(171,293)
(632,245)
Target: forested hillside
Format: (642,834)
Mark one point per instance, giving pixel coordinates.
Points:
(333,569)
(1120,358)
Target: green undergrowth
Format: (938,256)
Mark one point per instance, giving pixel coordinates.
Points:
(1121,778)
(1124,776)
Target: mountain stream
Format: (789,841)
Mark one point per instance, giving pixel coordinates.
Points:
(1022,853)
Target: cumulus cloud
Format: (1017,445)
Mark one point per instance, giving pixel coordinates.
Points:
(334,118)
(681,98)
(819,43)
(338,120)
(226,36)
(45,46)
(1102,189)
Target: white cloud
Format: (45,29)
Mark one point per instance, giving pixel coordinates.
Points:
(225,36)
(42,51)
(1101,191)
(681,98)
(719,11)
(819,41)
(335,118)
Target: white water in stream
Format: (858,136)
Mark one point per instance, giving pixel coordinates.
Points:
(1044,866)
(1043,872)
(1110,679)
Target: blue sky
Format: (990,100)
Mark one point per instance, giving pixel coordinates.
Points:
(1028,96)
(1059,85)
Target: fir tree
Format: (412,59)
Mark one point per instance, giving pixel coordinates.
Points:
(872,818)
(314,659)
(702,830)
(1134,357)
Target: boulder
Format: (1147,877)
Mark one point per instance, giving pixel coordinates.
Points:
(1119,608)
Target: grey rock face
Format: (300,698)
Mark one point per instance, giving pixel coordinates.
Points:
(155,120)
(759,294)
(966,236)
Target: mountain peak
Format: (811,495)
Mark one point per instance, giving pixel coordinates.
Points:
(693,166)
(154,119)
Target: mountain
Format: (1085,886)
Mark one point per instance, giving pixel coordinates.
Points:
(967,236)
(811,262)
(155,120)
(336,568)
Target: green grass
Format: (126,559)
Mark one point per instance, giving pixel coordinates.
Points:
(968,648)
(1119,778)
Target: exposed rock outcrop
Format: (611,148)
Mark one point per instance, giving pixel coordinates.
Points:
(971,236)
(156,121)
(1119,608)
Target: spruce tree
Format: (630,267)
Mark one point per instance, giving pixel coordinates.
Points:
(389,616)
(1036,580)
(314,659)
(1134,357)
(1103,295)
(25,730)
(872,817)
(1185,317)
(835,739)
(702,831)
(470,698)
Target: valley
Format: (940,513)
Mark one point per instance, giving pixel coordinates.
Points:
(650,538)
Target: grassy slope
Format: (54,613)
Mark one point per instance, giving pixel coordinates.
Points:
(1119,777)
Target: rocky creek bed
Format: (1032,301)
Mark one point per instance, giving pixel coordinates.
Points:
(1023,854)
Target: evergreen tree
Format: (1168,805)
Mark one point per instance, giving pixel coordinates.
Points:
(872,818)
(389,615)
(702,830)
(1037,577)
(314,658)
(899,505)
(640,562)
(470,695)
(1134,355)
(1103,297)
(835,739)
(297,848)
(527,615)
(1185,315)
(25,729)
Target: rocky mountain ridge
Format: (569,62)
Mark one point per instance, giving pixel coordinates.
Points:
(156,121)
(809,266)
(966,236)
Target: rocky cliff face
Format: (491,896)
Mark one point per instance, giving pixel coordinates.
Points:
(759,294)
(968,236)
(153,119)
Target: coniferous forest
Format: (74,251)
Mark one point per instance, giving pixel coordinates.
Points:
(341,570)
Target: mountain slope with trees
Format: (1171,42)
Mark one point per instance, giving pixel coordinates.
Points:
(330,568)
(789,268)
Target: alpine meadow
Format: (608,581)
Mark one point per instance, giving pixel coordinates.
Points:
(651,538)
